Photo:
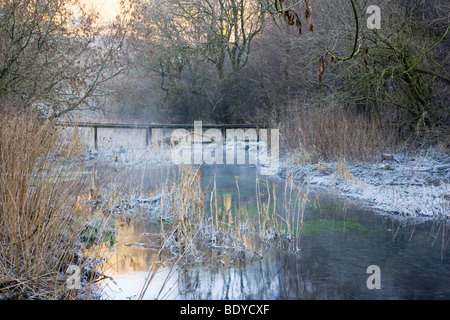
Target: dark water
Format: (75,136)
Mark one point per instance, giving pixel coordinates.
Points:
(339,242)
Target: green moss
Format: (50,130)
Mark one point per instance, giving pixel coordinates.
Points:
(325,207)
(318,227)
(100,230)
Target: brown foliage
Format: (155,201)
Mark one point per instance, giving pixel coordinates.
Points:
(41,217)
(291,17)
(330,134)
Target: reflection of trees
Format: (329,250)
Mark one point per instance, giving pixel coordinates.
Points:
(277,276)
(126,257)
(442,228)
(409,253)
(434,233)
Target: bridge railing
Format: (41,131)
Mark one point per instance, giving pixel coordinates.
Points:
(149,127)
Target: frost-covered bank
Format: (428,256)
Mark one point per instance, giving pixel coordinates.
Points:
(125,157)
(413,186)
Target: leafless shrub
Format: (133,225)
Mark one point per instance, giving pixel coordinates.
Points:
(333,133)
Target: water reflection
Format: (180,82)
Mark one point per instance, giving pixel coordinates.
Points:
(338,241)
(333,266)
(288,278)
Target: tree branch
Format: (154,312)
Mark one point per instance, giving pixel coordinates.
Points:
(356,48)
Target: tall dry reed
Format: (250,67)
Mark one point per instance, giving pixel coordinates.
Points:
(333,133)
(41,217)
(191,230)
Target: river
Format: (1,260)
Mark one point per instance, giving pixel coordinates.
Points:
(330,260)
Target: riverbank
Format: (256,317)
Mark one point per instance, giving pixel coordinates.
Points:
(226,244)
(406,185)
(410,186)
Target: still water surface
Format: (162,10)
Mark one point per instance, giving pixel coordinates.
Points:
(340,241)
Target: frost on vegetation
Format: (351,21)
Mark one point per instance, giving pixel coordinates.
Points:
(410,186)
(123,157)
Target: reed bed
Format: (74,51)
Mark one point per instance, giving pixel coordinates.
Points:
(53,209)
(45,211)
(201,227)
(329,134)
(191,218)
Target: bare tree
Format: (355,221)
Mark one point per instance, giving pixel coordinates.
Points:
(398,73)
(193,37)
(55,56)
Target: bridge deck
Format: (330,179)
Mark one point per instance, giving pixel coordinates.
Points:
(149,126)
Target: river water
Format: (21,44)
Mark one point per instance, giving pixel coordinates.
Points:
(339,241)
(330,258)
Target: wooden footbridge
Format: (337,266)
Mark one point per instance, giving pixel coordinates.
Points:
(149,127)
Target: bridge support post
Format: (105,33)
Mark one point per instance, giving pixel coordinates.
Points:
(224,131)
(148,136)
(95,138)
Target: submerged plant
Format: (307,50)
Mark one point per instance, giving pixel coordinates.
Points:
(100,230)
(318,227)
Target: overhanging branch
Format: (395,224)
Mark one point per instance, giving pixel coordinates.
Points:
(356,48)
